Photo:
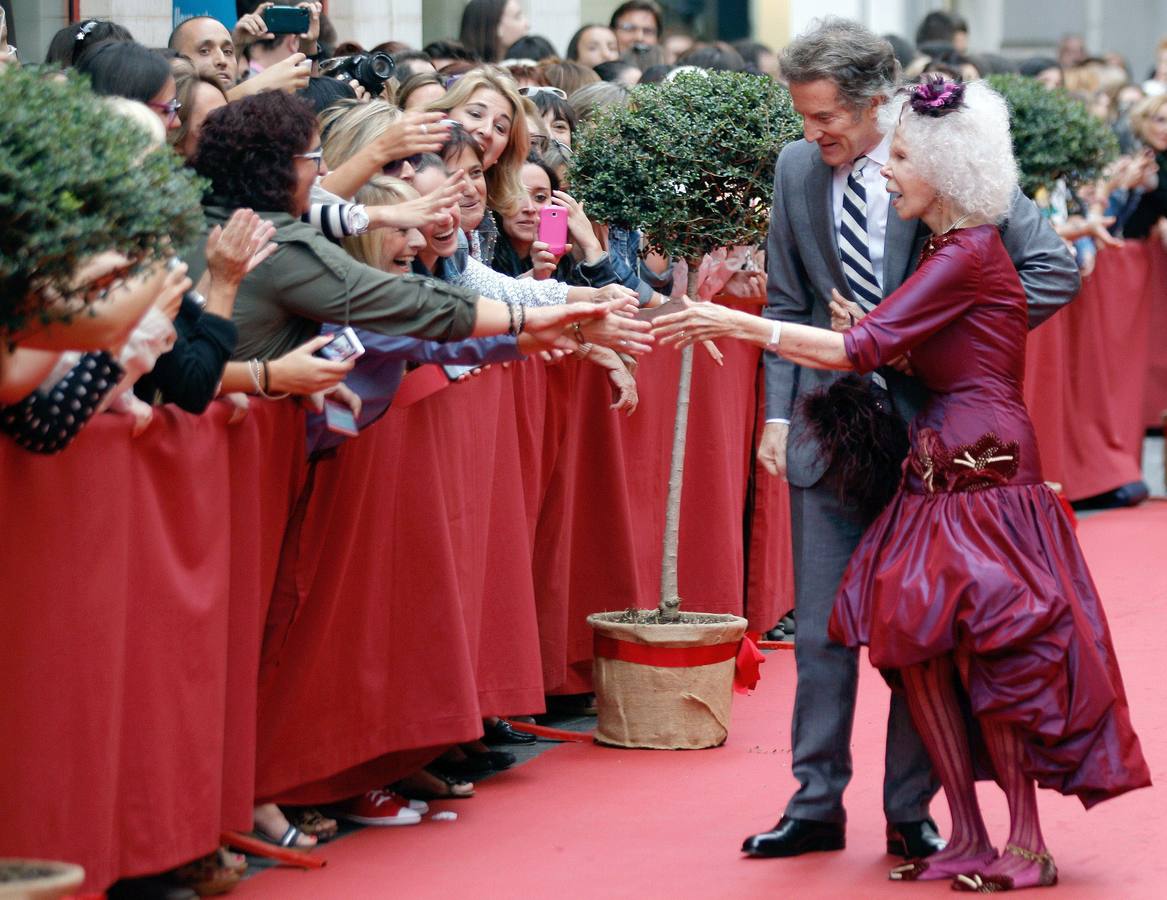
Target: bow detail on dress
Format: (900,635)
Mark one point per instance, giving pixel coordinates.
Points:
(971,467)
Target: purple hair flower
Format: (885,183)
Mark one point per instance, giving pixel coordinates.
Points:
(937,97)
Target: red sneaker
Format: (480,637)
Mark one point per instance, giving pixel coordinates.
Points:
(379,808)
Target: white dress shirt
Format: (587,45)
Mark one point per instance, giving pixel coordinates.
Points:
(878,201)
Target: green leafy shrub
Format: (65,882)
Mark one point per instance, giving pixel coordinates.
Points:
(76,180)
(689,162)
(1054,135)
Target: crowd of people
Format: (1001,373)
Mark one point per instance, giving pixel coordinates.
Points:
(398,192)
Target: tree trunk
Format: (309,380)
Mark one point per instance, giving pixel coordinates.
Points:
(670,600)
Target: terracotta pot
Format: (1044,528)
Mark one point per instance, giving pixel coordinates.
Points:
(671,705)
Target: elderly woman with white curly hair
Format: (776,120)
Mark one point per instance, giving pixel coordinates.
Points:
(969,589)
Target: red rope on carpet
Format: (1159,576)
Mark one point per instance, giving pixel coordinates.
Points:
(555,734)
(257,847)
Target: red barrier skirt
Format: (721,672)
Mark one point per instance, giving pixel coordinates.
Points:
(414,612)
(1089,410)
(1155,326)
(125,704)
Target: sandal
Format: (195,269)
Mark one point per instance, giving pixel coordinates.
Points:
(287,840)
(267,821)
(427,784)
(996,884)
(210,875)
(312,822)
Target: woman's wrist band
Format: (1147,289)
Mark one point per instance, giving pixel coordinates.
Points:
(775,334)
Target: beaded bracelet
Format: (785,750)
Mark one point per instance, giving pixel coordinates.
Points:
(253,371)
(511,317)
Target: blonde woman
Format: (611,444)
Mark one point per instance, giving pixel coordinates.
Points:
(487,104)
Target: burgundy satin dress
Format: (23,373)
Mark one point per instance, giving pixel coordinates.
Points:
(974,556)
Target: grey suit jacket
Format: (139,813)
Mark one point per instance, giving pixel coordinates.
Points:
(803,265)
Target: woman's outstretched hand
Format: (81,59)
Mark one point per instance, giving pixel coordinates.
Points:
(428,209)
(697,322)
(619,330)
(549,326)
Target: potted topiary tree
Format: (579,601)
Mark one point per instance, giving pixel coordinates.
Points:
(77,181)
(1055,137)
(690,163)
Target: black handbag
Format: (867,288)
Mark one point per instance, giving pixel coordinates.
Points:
(864,439)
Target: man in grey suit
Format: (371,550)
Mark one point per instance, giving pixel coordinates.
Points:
(832,227)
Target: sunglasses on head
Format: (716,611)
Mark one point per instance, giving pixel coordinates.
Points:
(542,89)
(170,108)
(395,167)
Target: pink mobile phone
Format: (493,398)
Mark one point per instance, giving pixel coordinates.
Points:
(553,228)
(339,418)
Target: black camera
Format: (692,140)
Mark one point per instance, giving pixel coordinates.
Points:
(369,70)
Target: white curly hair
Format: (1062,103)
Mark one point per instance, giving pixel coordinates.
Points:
(966,155)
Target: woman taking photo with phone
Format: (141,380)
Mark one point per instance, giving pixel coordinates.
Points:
(528,230)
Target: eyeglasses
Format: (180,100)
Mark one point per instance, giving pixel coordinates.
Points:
(533,90)
(395,167)
(629,28)
(316,156)
(171,109)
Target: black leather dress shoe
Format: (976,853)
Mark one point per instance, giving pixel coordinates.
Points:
(793,837)
(914,840)
(501,732)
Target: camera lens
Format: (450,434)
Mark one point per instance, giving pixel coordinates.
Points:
(382,65)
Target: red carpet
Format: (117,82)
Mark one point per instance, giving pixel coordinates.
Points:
(583,821)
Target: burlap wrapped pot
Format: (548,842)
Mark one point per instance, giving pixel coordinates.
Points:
(665,707)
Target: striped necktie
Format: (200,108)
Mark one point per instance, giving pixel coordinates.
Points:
(853,241)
